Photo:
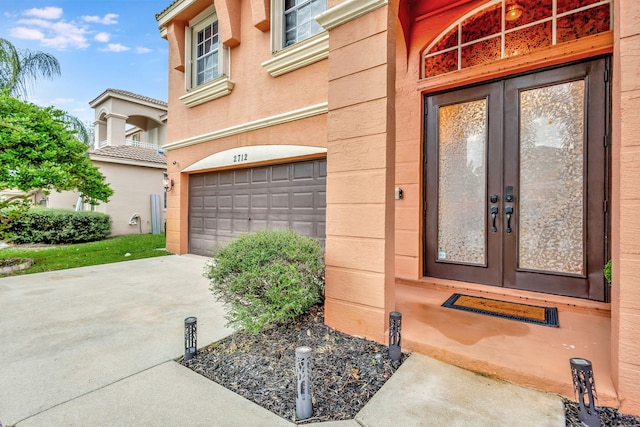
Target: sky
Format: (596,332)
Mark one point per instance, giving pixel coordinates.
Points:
(100,44)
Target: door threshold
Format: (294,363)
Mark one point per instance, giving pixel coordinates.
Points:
(512,295)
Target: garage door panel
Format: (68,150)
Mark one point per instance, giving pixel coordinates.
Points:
(210,181)
(280,173)
(241,201)
(305,200)
(241,225)
(285,196)
(225,201)
(210,223)
(241,177)
(322,199)
(280,201)
(210,202)
(302,227)
(224,225)
(259,201)
(303,171)
(225,179)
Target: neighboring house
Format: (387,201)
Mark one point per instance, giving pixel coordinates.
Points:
(482,147)
(130,130)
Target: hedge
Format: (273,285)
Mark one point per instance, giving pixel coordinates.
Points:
(44,225)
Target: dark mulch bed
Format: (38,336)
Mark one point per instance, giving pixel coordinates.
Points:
(608,416)
(347,371)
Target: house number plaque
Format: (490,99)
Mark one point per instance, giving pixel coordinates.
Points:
(243,157)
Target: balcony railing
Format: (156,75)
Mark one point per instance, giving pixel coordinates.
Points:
(133,143)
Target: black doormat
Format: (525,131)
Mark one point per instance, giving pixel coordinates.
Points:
(547,316)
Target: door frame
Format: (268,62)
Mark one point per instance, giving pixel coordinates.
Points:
(597,131)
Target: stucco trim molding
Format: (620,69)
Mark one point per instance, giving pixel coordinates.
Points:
(347,11)
(299,55)
(242,156)
(278,119)
(222,86)
(129,162)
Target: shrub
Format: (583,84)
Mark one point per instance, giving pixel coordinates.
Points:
(42,225)
(267,277)
(607,272)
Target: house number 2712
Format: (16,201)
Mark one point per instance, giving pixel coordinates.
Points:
(240,157)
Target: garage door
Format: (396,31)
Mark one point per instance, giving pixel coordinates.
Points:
(226,204)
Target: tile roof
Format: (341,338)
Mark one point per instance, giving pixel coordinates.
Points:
(131,95)
(131,153)
(166,9)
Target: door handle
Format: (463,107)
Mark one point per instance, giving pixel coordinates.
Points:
(508,211)
(494,214)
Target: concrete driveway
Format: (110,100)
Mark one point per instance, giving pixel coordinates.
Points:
(66,334)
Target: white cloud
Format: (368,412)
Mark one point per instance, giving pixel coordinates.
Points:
(26,33)
(45,13)
(115,47)
(142,50)
(108,19)
(102,37)
(55,34)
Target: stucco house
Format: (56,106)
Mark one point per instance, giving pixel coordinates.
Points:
(478,147)
(129,131)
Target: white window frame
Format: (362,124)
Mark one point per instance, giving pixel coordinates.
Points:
(220,85)
(298,55)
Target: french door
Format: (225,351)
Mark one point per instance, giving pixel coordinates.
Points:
(516,182)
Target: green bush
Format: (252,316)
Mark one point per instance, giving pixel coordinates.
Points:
(267,277)
(42,225)
(607,272)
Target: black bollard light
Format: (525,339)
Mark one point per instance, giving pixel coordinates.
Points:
(584,386)
(395,325)
(190,338)
(304,404)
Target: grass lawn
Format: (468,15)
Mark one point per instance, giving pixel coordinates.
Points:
(103,252)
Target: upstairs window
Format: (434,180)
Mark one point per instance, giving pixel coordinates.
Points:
(293,21)
(298,19)
(205,51)
(206,46)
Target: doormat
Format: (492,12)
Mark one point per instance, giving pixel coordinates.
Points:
(547,316)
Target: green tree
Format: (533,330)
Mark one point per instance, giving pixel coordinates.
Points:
(38,152)
(20,70)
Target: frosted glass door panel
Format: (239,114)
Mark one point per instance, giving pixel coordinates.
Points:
(462,142)
(552,199)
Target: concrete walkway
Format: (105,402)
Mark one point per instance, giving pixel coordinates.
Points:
(95,346)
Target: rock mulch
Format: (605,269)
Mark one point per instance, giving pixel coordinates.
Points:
(347,371)
(608,416)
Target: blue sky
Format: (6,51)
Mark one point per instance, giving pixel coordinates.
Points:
(99,44)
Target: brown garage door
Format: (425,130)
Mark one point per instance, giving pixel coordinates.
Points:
(223,205)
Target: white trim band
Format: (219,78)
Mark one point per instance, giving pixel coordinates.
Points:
(253,154)
(290,116)
(347,11)
(299,55)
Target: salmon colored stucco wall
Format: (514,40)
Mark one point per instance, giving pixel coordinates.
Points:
(625,303)
(360,185)
(256,95)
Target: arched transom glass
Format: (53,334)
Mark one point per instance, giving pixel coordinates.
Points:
(506,28)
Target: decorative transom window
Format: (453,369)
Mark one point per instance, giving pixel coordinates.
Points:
(488,34)
(205,55)
(293,21)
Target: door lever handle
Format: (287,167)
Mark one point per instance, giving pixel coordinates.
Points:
(494,214)
(509,211)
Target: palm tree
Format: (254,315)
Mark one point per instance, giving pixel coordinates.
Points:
(20,71)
